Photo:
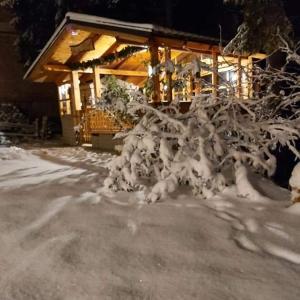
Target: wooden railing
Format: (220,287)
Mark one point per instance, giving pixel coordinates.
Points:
(101,122)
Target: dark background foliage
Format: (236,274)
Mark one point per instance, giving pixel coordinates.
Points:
(36,19)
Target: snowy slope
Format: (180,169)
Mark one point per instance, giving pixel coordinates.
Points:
(65,237)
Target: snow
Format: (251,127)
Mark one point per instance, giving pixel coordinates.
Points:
(295,183)
(244,187)
(294,209)
(295,177)
(63,235)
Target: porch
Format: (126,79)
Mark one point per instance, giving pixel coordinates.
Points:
(86,49)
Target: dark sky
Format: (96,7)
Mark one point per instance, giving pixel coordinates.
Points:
(205,17)
(292,8)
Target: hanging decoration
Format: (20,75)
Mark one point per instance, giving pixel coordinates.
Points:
(106,59)
(86,45)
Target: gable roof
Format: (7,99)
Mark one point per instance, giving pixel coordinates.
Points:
(139,29)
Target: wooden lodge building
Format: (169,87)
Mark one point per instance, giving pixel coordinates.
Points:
(83,38)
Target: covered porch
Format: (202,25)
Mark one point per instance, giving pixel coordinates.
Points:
(85,49)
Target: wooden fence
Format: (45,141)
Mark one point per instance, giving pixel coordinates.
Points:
(101,122)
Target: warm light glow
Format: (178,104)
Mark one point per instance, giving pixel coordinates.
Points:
(150,71)
(74,32)
(64,91)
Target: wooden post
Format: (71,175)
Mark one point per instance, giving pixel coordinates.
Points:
(197,85)
(168,76)
(97,82)
(155,77)
(239,77)
(75,93)
(215,77)
(250,77)
(192,86)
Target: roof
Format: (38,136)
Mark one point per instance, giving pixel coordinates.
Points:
(143,28)
(139,29)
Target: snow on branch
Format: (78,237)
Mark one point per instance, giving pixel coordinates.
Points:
(168,148)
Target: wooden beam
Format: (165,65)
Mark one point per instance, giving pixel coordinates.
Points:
(258,56)
(186,46)
(103,71)
(122,35)
(168,76)
(57,68)
(250,77)
(155,77)
(61,78)
(202,47)
(119,72)
(75,93)
(215,75)
(97,82)
(239,77)
(181,57)
(112,48)
(119,63)
(130,42)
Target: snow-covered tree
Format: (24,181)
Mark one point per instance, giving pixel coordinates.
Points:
(199,148)
(263,21)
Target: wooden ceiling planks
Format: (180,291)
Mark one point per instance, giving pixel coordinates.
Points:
(78,57)
(131,38)
(63,51)
(106,42)
(102,46)
(140,59)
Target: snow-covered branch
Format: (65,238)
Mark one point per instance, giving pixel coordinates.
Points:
(168,148)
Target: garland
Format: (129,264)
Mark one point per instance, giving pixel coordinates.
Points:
(106,59)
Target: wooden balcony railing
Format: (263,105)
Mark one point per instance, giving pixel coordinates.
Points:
(101,122)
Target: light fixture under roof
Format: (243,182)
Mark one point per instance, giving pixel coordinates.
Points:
(72,30)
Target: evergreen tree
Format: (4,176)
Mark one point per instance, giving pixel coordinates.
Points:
(265,25)
(35,20)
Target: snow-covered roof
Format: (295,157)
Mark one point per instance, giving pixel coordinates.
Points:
(137,27)
(142,29)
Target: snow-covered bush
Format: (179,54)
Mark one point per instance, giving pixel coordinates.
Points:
(4,140)
(115,95)
(10,113)
(168,148)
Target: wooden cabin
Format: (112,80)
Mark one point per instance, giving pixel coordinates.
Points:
(80,39)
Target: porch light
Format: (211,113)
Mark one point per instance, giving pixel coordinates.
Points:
(74,32)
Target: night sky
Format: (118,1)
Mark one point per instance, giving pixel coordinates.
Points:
(206,16)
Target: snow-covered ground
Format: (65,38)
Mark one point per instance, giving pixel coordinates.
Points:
(63,237)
